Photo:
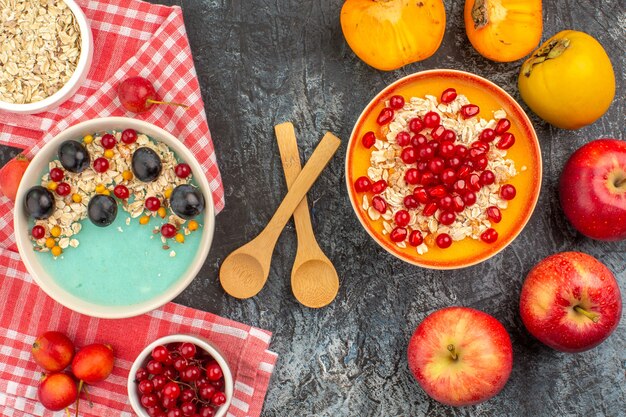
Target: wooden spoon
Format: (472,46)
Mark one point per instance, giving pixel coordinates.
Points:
(314,280)
(244,272)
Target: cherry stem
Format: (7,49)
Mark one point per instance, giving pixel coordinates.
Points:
(169,103)
(452,352)
(591,316)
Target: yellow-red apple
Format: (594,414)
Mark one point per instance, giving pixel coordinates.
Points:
(57,391)
(93,363)
(460,356)
(53,351)
(571,302)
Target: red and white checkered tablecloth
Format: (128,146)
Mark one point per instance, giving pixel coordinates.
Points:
(131,38)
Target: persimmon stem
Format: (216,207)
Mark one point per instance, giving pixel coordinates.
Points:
(453,352)
(591,316)
(169,103)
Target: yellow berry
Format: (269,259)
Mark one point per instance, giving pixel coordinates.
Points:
(100,188)
(57,251)
(193,225)
(168,193)
(106,192)
(55,231)
(127,175)
(109,153)
(180,238)
(52,186)
(162,212)
(144,220)
(50,243)
(76,198)
(88,139)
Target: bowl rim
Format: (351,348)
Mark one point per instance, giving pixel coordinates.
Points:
(200,341)
(527,125)
(77,78)
(62,296)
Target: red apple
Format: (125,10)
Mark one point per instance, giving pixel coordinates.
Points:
(571,302)
(93,363)
(53,351)
(460,356)
(57,391)
(593,189)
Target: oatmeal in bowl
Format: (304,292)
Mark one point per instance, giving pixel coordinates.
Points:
(443,169)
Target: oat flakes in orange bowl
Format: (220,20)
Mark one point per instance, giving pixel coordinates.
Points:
(443,169)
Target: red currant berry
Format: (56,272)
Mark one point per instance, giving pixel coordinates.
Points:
(447,218)
(149,400)
(469,110)
(489,236)
(487,177)
(207,391)
(188,408)
(168,230)
(487,135)
(187,395)
(160,353)
(429,209)
(38,232)
(443,240)
(432,119)
(219,384)
(169,373)
(174,412)
(141,374)
(207,411)
(508,192)
(403,138)
(168,403)
(187,350)
(108,141)
(369,139)
(154,367)
(182,170)
(145,386)
(385,116)
(411,202)
(362,184)
(419,140)
(494,214)
(506,141)
(159,382)
(412,176)
(448,95)
(180,364)
(153,203)
(214,372)
(192,373)
(56,174)
(398,234)
(502,126)
(416,238)
(402,218)
(396,102)
(121,192)
(379,204)
(171,390)
(469,198)
(218,399)
(101,165)
(379,186)
(129,136)
(409,155)
(63,189)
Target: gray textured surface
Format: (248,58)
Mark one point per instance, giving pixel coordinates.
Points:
(262,62)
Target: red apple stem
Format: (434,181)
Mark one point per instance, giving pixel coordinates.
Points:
(80,388)
(169,103)
(452,352)
(592,316)
(619,182)
(88,396)
(67,412)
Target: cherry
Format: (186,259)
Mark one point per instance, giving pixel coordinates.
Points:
(398,234)
(385,116)
(38,232)
(469,110)
(502,126)
(487,135)
(411,202)
(207,391)
(494,214)
(415,238)
(489,236)
(379,204)
(412,176)
(154,367)
(369,139)
(443,240)
(418,140)
(57,174)
(448,95)
(421,195)
(362,184)
(108,141)
(129,136)
(447,218)
(152,203)
(403,138)
(402,218)
(432,119)
(506,141)
(508,192)
(429,209)
(137,94)
(63,189)
(182,170)
(171,390)
(469,198)
(149,400)
(379,186)
(416,125)
(141,374)
(101,165)
(145,386)
(487,177)
(218,399)
(409,155)
(121,192)
(168,230)
(213,372)
(396,102)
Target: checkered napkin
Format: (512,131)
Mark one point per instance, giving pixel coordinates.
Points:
(131,38)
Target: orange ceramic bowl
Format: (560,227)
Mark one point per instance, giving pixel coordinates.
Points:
(525,153)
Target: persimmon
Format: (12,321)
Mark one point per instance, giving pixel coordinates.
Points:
(388,34)
(569,81)
(503,30)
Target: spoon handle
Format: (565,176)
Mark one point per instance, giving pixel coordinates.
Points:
(313,168)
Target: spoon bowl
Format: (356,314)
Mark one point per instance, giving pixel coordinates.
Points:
(242,275)
(315,282)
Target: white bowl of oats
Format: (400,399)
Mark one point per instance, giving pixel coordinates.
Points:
(114,217)
(46,49)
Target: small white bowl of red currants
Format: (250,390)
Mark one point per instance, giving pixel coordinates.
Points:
(180,375)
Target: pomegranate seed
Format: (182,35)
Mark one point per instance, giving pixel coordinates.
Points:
(445,203)
(481,163)
(453,162)
(447,218)
(379,186)
(494,214)
(56,174)
(463,171)
(469,110)
(428,178)
(506,141)
(385,116)
(362,184)
(416,125)
(182,170)
(402,218)
(449,136)
(434,145)
(476,153)
(129,136)
(398,234)
(448,95)
(448,176)
(430,209)
(416,238)
(121,192)
(461,151)
(487,177)
(473,182)
(443,240)
(438,132)
(422,166)
(487,135)
(396,102)
(152,203)
(502,126)
(446,150)
(411,202)
(38,232)
(63,189)
(412,176)
(508,192)
(432,119)
(419,140)
(108,141)
(101,165)
(437,191)
(469,198)
(436,165)
(379,204)
(457,203)
(489,236)
(368,140)
(460,186)
(403,138)
(482,146)
(409,155)
(421,195)
(426,152)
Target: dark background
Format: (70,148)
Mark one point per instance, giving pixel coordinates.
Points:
(262,62)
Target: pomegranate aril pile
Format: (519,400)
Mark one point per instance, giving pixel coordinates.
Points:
(180,379)
(435,172)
